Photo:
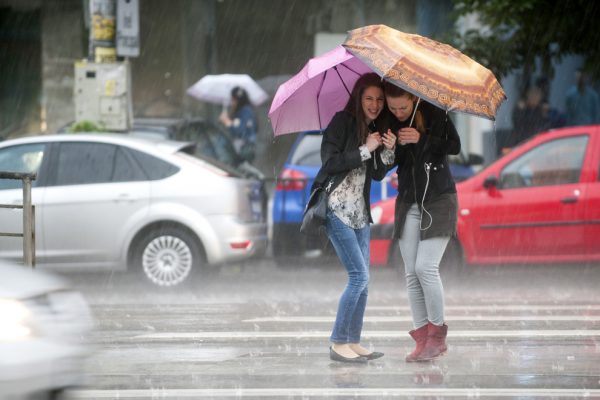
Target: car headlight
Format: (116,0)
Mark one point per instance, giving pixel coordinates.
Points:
(14,321)
(376,213)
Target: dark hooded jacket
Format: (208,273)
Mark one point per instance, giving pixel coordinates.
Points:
(424,174)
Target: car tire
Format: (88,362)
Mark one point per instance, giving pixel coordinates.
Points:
(167,256)
(394,259)
(292,249)
(287,245)
(54,394)
(453,260)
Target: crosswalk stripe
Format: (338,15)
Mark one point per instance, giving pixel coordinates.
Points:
(499,307)
(365,334)
(474,318)
(329,392)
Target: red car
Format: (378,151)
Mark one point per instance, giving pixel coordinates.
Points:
(540,203)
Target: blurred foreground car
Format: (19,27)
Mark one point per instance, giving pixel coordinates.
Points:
(292,192)
(108,201)
(538,204)
(43,325)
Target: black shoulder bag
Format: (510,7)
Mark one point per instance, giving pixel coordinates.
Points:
(315,212)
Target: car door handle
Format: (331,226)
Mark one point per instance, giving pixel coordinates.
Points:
(123,198)
(568,200)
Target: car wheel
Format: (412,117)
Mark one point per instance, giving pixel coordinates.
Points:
(395,261)
(293,251)
(453,260)
(168,256)
(55,394)
(287,245)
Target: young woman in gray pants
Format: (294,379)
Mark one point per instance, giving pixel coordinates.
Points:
(426,210)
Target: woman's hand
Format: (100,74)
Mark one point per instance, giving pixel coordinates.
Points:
(389,140)
(408,135)
(373,141)
(224,119)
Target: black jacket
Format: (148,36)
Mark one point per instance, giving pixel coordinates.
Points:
(340,155)
(428,157)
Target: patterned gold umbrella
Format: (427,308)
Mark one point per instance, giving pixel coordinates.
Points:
(431,70)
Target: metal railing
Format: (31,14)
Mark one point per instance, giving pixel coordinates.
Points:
(28,233)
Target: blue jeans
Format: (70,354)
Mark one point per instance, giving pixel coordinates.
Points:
(352,248)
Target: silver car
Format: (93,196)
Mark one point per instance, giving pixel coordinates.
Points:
(43,330)
(112,201)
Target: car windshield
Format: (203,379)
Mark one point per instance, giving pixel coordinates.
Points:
(151,132)
(218,147)
(199,159)
(211,142)
(308,151)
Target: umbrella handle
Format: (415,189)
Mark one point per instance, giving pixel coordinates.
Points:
(414,111)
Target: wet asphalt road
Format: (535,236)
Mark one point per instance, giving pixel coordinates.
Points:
(259,331)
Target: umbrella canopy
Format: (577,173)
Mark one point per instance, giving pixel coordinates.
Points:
(428,69)
(309,100)
(217,88)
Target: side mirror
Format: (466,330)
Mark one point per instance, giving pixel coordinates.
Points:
(490,182)
(475,159)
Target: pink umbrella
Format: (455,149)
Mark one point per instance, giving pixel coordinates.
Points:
(309,100)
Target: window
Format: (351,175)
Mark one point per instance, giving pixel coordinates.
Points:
(22,158)
(84,163)
(153,167)
(87,163)
(553,163)
(308,151)
(126,169)
(213,143)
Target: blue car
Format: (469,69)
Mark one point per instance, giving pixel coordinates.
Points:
(292,192)
(293,189)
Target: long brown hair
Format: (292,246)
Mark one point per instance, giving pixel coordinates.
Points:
(354,105)
(394,91)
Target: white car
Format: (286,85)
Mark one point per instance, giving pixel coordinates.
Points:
(43,330)
(112,201)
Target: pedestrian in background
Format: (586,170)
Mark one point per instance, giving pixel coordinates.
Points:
(351,158)
(242,124)
(582,103)
(556,117)
(426,210)
(529,117)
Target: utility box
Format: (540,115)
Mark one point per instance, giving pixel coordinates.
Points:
(103,94)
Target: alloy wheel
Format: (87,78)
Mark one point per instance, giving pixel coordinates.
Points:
(167,260)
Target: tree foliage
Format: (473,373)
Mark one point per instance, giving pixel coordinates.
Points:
(515,32)
(86,126)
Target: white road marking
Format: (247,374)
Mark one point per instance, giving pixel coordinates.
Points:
(365,334)
(449,319)
(329,392)
(500,307)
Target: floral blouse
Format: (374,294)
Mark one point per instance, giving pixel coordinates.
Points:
(347,201)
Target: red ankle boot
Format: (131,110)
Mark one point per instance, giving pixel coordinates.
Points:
(420,336)
(436,342)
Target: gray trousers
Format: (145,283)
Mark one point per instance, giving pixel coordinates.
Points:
(422,269)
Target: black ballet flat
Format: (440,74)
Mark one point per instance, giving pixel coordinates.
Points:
(337,357)
(373,356)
